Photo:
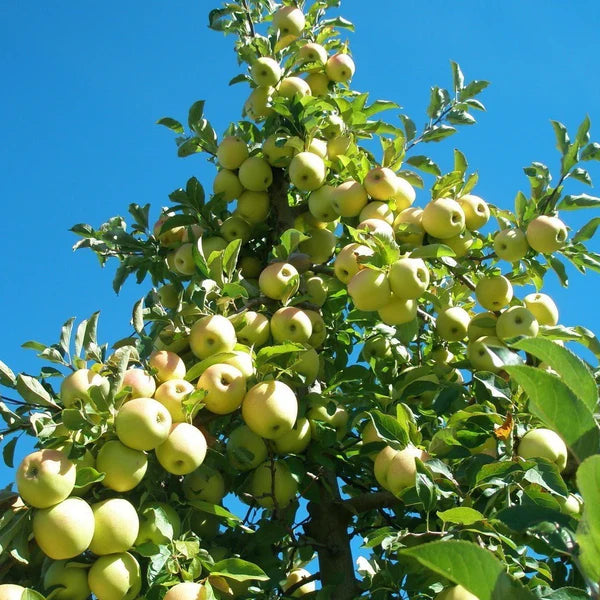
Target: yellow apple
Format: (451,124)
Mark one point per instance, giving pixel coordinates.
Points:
(370,289)
(307,171)
(516,321)
(116,526)
(542,307)
(252,328)
(255,174)
(341,145)
(408,226)
(292,86)
(228,184)
(210,335)
(319,84)
(183,451)
(409,277)
(290,324)
(115,577)
(273,485)
(494,292)
(544,443)
(141,383)
(123,467)
(258,105)
(481,355)
(452,323)
(245,449)
(349,198)
(398,311)
(70,581)
(186,591)
(511,244)
(319,331)
(348,262)
(265,71)
(142,423)
(443,218)
(377,226)
(314,53)
(270,409)
(296,441)
(377,210)
(167,365)
(294,577)
(10,591)
(235,228)
(225,388)
(482,324)
(546,234)
(276,151)
(75,387)
(320,204)
(289,21)
(460,243)
(380,183)
(320,411)
(477,212)
(458,592)
(279,280)
(233,151)
(171,395)
(253,207)
(405,194)
(184,260)
(340,67)
(307,365)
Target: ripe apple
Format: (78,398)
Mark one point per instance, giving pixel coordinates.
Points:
(477,212)
(511,244)
(255,174)
(347,262)
(320,411)
(296,441)
(349,198)
(377,226)
(235,228)
(141,383)
(320,246)
(70,581)
(10,591)
(307,171)
(75,387)
(482,324)
(253,207)
(494,292)
(400,469)
(319,331)
(377,210)
(116,526)
(376,347)
(45,478)
(276,151)
(307,365)
(233,151)
(341,145)
(242,360)
(443,218)
(252,328)
(167,365)
(312,52)
(279,280)
(452,323)
(245,449)
(380,183)
(264,71)
(142,423)
(573,505)
(481,355)
(340,67)
(542,307)
(408,226)
(159,524)
(290,324)
(289,20)
(292,86)
(183,451)
(228,184)
(370,289)
(320,204)
(460,243)
(544,443)
(296,576)
(319,84)
(225,388)
(184,260)
(210,335)
(258,106)
(316,288)
(273,485)
(212,244)
(516,321)
(205,483)
(270,409)
(457,592)
(115,577)
(186,591)
(65,529)
(318,147)
(409,277)
(171,394)
(546,234)
(123,467)
(405,194)
(398,311)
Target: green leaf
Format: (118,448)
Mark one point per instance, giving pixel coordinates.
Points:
(460,162)
(409,127)
(458,79)
(30,594)
(234,290)
(230,257)
(546,474)
(572,370)
(587,231)
(379,106)
(568,593)
(455,560)
(521,203)
(390,429)
(562,137)
(424,163)
(8,452)
(583,132)
(195,115)
(268,352)
(588,532)
(172,124)
(189,147)
(574,202)
(436,101)
(581,175)
(137,318)
(473,89)
(438,133)
(521,518)
(87,475)
(7,377)
(550,400)
(559,268)
(460,117)
(432,251)
(199,368)
(239,570)
(462,515)
(214,509)
(591,152)
(33,391)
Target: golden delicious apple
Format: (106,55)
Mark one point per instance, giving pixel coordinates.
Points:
(349,198)
(279,280)
(10,591)
(225,388)
(573,505)
(348,262)
(481,355)
(482,324)
(370,289)
(253,207)
(542,307)
(319,331)
(477,212)
(340,67)
(258,105)
(544,443)
(159,524)
(255,174)
(402,469)
(116,526)
(252,328)
(318,147)
(292,86)
(45,478)
(123,467)
(376,347)
(377,210)
(186,591)
(233,151)
(341,145)
(210,335)
(319,84)
(141,383)
(296,576)
(460,243)
(228,184)
(546,234)
(380,183)
(205,483)
(273,485)
(290,324)
(443,218)
(377,226)
(70,581)
(245,449)
(64,530)
(315,287)
(289,20)
(307,171)
(167,365)
(405,194)
(242,360)
(307,365)
(408,226)
(184,260)
(516,321)
(320,204)
(494,292)
(296,441)
(235,228)
(276,151)
(320,246)
(264,71)
(142,423)
(171,395)
(398,311)
(312,52)
(409,277)
(452,323)
(75,387)
(320,411)
(511,244)
(270,409)
(115,577)
(212,244)
(458,592)
(183,451)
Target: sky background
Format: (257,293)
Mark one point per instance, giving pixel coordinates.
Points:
(84,84)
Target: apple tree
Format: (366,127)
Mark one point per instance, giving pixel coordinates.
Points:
(333,388)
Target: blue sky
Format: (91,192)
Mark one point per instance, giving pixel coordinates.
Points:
(84,84)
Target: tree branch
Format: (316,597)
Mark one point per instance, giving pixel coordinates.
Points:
(370,501)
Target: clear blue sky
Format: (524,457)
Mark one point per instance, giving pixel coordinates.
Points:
(85,82)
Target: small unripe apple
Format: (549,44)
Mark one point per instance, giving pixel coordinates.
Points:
(233,151)
(511,244)
(340,67)
(546,234)
(116,526)
(544,443)
(307,171)
(516,321)
(477,212)
(245,449)
(443,218)
(543,308)
(123,467)
(225,386)
(319,84)
(405,194)
(228,184)
(289,20)
(167,365)
(264,71)
(250,266)
(115,577)
(349,198)
(398,311)
(210,335)
(312,52)
(293,86)
(183,451)
(494,292)
(273,485)
(409,277)
(279,280)
(347,263)
(370,289)
(452,323)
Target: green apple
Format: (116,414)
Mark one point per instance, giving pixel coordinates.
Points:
(316,289)
(245,449)
(255,174)
(380,183)
(242,360)
(289,20)
(279,281)
(206,484)
(319,84)
(258,105)
(270,409)
(159,524)
(377,226)
(443,218)
(228,185)
(253,207)
(320,204)
(167,365)
(341,145)
(115,577)
(482,324)
(408,226)
(64,530)
(183,451)
(382,463)
(409,277)
(233,151)
(307,171)
(377,210)
(225,388)
(187,591)
(76,386)
(398,311)
(290,324)
(511,244)
(45,478)
(457,592)
(313,53)
(349,198)
(210,335)
(452,323)
(349,261)
(307,365)
(70,581)
(250,266)
(116,526)
(370,289)
(481,355)
(405,194)
(276,151)
(292,86)
(516,321)
(402,469)
(212,244)
(264,71)
(542,307)
(10,591)
(544,443)
(171,395)
(494,292)
(477,212)
(252,328)
(546,234)
(460,243)
(318,146)
(319,331)
(294,577)
(573,505)
(273,485)
(296,441)
(376,347)
(142,384)
(142,423)
(320,411)
(184,260)
(235,228)
(320,246)
(123,467)
(168,295)
(340,67)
